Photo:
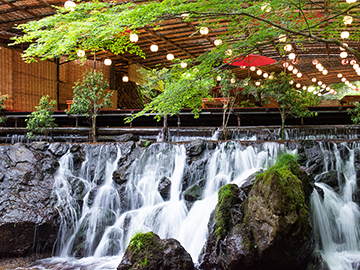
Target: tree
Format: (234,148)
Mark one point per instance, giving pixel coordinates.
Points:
(90,97)
(41,120)
(251,26)
(3,98)
(289,100)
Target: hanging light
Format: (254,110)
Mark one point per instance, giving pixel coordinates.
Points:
(323,86)
(252,68)
(266,7)
(217,42)
(204,30)
(257,83)
(344,34)
(282,38)
(350,1)
(285,64)
(327,88)
(70,5)
(265,75)
(290,68)
(107,62)
(304,87)
(184,16)
(343,54)
(321,68)
(242,67)
(318,65)
(295,71)
(319,94)
(134,37)
(324,72)
(355,66)
(298,85)
(353,62)
(332,91)
(346,82)
(347,19)
(259,72)
(344,62)
(295,61)
(320,83)
(291,82)
(292,56)
(313,79)
(315,62)
(288,47)
(271,77)
(299,75)
(342,48)
(218,78)
(339,75)
(183,64)
(232,80)
(170,56)
(80,53)
(125,78)
(343,79)
(154,48)
(228,52)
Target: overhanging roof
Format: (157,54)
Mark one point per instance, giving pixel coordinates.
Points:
(177,37)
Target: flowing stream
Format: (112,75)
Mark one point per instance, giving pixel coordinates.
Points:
(99,226)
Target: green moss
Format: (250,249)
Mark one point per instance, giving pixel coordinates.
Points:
(142,241)
(227,197)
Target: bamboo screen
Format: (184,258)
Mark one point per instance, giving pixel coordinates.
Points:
(25,83)
(71,72)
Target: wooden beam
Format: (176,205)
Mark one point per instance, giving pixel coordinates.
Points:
(204,36)
(167,41)
(21,8)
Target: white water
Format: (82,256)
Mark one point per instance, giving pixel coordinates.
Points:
(336,218)
(144,209)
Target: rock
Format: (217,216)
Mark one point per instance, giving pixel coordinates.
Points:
(164,188)
(195,172)
(331,178)
(58,149)
(148,251)
(28,219)
(267,230)
(193,193)
(126,137)
(195,148)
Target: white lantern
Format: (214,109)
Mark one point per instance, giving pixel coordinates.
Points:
(290,68)
(291,82)
(125,78)
(299,75)
(107,62)
(252,68)
(295,71)
(217,42)
(69,5)
(304,87)
(288,47)
(313,79)
(345,34)
(154,48)
(319,82)
(218,78)
(80,53)
(257,83)
(183,64)
(228,52)
(347,19)
(282,38)
(350,1)
(134,37)
(232,80)
(298,85)
(343,79)
(204,30)
(343,54)
(170,56)
(259,72)
(265,75)
(325,72)
(339,75)
(292,56)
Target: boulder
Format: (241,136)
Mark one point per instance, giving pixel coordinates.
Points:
(267,230)
(28,219)
(331,178)
(148,251)
(164,188)
(193,193)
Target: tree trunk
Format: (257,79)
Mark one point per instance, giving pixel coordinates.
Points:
(94,128)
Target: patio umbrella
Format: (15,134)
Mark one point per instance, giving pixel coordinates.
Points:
(250,60)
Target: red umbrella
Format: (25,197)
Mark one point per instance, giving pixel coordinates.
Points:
(250,60)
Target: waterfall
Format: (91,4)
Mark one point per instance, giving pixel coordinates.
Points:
(335,215)
(97,225)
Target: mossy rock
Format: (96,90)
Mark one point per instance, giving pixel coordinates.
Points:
(193,193)
(228,196)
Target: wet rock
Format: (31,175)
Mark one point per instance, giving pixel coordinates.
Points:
(164,188)
(126,137)
(195,148)
(268,230)
(193,193)
(331,178)
(58,149)
(28,219)
(194,172)
(148,251)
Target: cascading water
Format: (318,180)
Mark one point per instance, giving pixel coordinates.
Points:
(101,230)
(335,215)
